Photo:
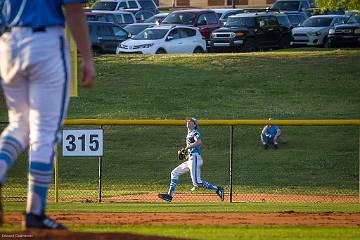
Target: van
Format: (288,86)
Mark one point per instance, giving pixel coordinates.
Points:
(129,5)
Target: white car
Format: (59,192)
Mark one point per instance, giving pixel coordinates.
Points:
(314,30)
(165,39)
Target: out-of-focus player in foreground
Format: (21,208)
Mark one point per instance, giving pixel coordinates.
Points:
(193,163)
(35,72)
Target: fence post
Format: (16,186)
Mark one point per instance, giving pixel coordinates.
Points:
(100,175)
(56,173)
(231,161)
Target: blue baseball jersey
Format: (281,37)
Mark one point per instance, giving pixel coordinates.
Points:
(272,131)
(192,137)
(35,13)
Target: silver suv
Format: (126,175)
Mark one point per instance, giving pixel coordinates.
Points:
(291,5)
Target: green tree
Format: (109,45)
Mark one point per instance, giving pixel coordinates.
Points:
(334,4)
(90,3)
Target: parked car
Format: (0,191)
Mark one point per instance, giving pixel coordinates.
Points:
(296,18)
(105,37)
(224,13)
(165,39)
(143,15)
(158,18)
(121,18)
(149,5)
(129,5)
(136,28)
(291,5)
(314,30)
(345,34)
(205,20)
(252,31)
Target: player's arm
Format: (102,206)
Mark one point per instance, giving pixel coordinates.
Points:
(264,129)
(76,21)
(194,144)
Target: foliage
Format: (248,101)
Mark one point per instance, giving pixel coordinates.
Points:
(335,4)
(89,3)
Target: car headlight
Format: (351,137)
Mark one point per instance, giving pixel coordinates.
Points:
(147,45)
(332,31)
(315,34)
(357,31)
(122,46)
(143,46)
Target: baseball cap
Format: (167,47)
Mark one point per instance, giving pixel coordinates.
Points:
(194,120)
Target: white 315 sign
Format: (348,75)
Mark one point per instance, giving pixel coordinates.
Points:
(83,143)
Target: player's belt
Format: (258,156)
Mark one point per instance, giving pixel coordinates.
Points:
(37,29)
(192,154)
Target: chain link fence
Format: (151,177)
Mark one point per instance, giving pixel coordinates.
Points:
(312,164)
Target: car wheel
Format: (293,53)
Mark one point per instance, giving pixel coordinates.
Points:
(327,43)
(160,51)
(284,43)
(198,50)
(249,46)
(96,51)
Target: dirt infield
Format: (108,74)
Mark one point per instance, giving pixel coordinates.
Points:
(88,219)
(285,218)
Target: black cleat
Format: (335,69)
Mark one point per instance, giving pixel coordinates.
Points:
(165,197)
(32,221)
(266,146)
(276,146)
(220,193)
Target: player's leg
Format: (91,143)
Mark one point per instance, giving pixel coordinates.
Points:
(15,136)
(276,140)
(195,172)
(49,92)
(264,140)
(174,178)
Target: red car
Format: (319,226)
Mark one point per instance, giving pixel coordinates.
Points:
(205,20)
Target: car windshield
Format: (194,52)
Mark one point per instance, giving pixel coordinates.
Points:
(241,22)
(294,19)
(108,6)
(180,18)
(119,32)
(354,19)
(317,22)
(286,5)
(147,4)
(135,29)
(151,34)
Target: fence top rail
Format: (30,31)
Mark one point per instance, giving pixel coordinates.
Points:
(169,122)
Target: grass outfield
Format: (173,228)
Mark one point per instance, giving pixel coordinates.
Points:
(291,84)
(193,207)
(209,232)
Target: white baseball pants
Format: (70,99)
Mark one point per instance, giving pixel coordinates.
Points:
(35,73)
(193,165)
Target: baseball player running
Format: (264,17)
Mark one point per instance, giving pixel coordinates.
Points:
(193,164)
(35,72)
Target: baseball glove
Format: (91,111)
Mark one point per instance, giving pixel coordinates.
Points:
(182,154)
